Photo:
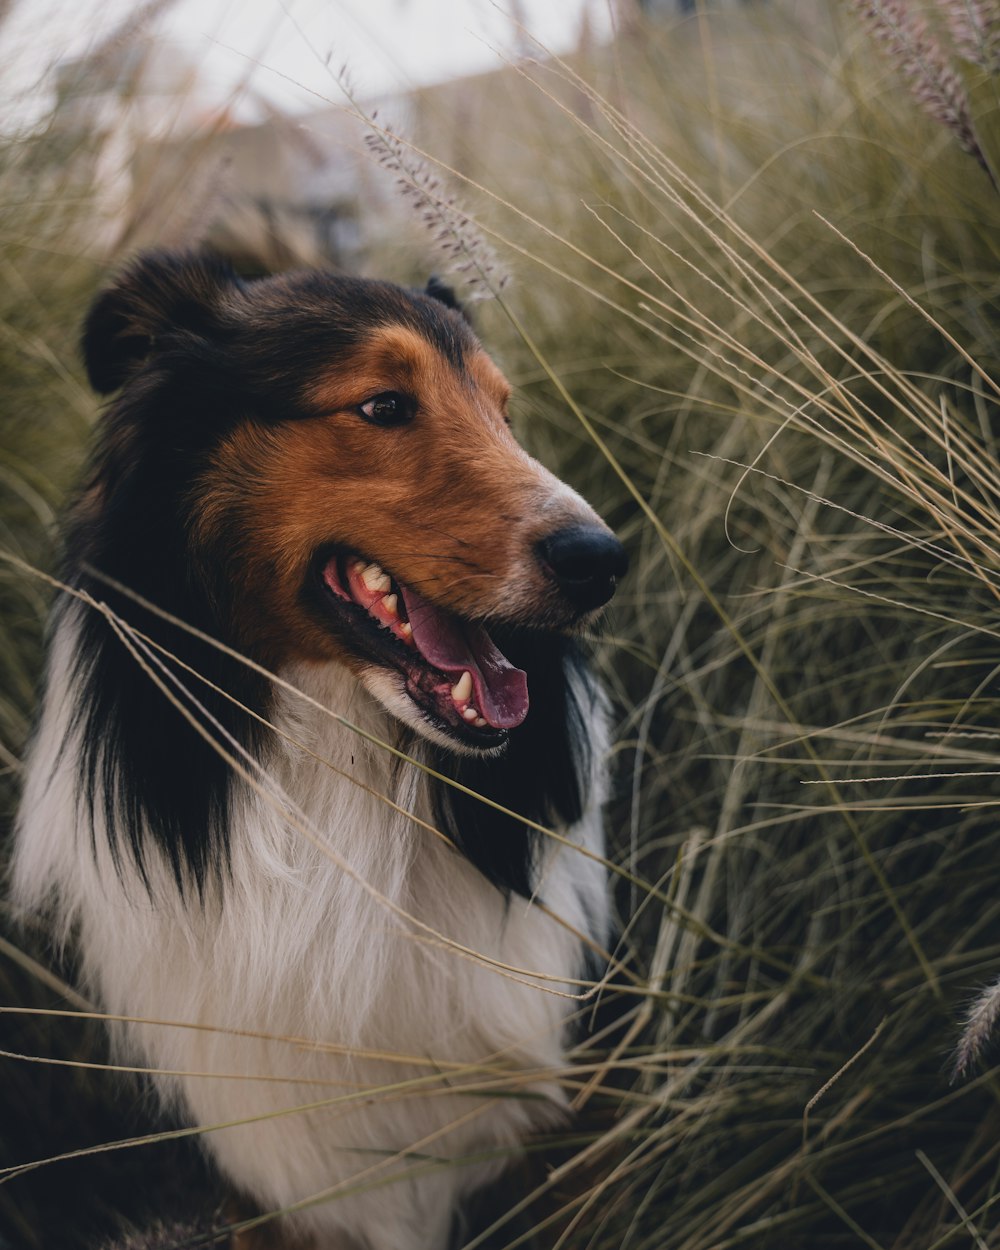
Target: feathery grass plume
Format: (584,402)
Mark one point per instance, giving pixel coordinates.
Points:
(919,59)
(455,235)
(975,29)
(980,1032)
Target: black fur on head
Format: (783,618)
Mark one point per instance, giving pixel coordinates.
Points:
(444,294)
(160,302)
(194,351)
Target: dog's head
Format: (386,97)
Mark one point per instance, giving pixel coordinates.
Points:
(333,456)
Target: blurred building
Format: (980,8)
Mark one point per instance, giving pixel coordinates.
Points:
(163,161)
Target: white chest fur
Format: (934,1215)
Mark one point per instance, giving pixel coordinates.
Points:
(360,997)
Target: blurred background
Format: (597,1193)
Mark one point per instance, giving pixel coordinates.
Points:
(740,261)
(229,121)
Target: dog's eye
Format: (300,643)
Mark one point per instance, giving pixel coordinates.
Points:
(389,408)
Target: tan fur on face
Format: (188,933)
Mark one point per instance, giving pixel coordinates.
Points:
(448,503)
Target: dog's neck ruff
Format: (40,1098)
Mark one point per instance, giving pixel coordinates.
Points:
(377,968)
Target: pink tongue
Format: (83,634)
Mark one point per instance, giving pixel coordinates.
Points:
(454,646)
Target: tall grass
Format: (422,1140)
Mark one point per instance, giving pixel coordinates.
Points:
(755,321)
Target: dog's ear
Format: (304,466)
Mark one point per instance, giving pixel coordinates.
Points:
(157,294)
(444,294)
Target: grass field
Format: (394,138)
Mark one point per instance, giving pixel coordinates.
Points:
(754,319)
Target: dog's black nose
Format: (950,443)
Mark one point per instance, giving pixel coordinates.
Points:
(585,561)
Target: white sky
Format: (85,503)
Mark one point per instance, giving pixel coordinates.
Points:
(386,44)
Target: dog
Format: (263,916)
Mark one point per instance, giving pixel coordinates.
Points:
(317,601)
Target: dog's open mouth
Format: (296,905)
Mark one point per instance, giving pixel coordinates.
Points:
(453,670)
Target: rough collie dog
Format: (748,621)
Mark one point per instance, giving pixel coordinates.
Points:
(352,977)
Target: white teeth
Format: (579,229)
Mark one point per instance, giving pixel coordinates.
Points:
(375,579)
(389,603)
(406,629)
(470,714)
(462,688)
(479,722)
